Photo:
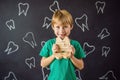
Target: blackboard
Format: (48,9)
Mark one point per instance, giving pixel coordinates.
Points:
(25,27)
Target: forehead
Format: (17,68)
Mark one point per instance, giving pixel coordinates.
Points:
(60,23)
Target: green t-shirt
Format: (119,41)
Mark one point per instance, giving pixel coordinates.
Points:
(62,69)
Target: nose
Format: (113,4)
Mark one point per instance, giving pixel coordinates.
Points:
(62,30)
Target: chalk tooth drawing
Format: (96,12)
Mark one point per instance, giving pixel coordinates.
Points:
(23,8)
(47,22)
(88,48)
(105,51)
(44,73)
(42,43)
(11,47)
(29,38)
(11,76)
(78,73)
(55,6)
(108,76)
(82,22)
(104,33)
(10,24)
(30,62)
(100,6)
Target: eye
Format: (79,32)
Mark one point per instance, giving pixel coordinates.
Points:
(57,27)
(65,26)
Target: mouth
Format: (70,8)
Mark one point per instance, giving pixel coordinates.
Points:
(61,35)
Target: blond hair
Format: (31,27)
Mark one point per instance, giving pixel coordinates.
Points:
(63,16)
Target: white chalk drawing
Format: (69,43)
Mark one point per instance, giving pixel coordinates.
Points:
(29,38)
(42,43)
(30,62)
(82,22)
(108,76)
(11,76)
(105,51)
(100,6)
(104,33)
(55,6)
(10,24)
(11,47)
(44,73)
(47,22)
(23,8)
(77,71)
(88,48)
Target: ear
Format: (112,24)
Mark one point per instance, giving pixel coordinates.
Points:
(52,27)
(71,27)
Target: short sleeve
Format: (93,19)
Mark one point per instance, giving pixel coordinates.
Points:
(79,52)
(47,48)
(44,51)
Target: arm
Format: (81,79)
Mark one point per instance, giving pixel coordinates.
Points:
(77,62)
(46,61)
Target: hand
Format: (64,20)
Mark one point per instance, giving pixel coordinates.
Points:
(58,55)
(55,48)
(71,49)
(67,55)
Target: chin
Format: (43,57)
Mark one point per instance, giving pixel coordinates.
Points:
(62,37)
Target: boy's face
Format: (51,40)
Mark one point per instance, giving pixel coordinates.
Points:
(62,31)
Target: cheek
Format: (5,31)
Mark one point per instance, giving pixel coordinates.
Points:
(55,32)
(68,31)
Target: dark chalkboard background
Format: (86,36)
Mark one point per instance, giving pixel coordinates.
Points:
(25,26)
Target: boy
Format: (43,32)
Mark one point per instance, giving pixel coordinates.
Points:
(62,66)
